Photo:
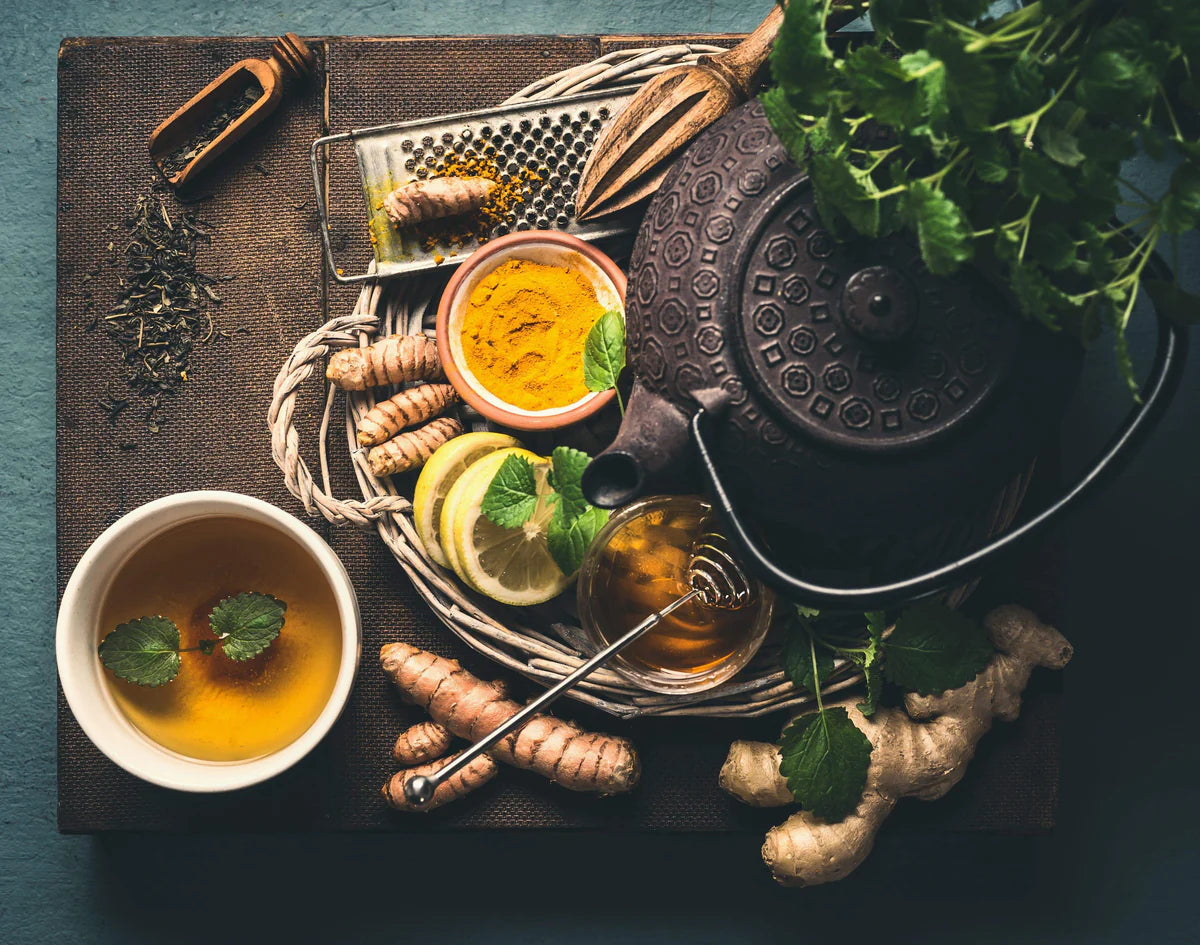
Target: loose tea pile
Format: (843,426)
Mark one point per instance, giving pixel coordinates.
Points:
(210,129)
(161,312)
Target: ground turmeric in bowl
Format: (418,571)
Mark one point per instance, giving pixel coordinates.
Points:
(523,333)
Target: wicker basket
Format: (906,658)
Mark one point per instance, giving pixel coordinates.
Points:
(542,644)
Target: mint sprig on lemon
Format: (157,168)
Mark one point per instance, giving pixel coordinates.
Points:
(511,501)
(511,524)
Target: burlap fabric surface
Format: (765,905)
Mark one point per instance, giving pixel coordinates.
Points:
(112,93)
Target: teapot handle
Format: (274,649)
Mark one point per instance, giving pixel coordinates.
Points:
(1156,394)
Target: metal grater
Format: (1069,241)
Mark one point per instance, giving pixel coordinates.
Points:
(556,135)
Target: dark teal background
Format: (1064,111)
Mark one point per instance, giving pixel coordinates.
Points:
(1122,866)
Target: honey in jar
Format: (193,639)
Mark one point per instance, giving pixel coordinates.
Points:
(636,567)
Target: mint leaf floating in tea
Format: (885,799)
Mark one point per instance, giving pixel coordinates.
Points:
(825,758)
(934,648)
(246,624)
(512,495)
(604,354)
(144,651)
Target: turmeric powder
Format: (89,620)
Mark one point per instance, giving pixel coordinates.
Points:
(523,333)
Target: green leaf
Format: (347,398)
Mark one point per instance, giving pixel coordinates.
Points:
(942,228)
(871,662)
(1051,245)
(825,758)
(906,94)
(1039,176)
(246,624)
(843,195)
(1180,208)
(568,540)
(144,651)
(798,658)
(801,60)
(512,495)
(810,613)
(971,82)
(1169,299)
(566,478)
(604,352)
(785,122)
(933,648)
(1059,145)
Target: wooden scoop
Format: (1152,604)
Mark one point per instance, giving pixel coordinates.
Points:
(631,156)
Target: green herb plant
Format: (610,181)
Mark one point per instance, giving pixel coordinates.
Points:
(930,649)
(1001,141)
(604,355)
(146,651)
(512,500)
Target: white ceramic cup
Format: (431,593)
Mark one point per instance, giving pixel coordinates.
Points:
(81,672)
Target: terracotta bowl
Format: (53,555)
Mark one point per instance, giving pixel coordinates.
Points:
(550,248)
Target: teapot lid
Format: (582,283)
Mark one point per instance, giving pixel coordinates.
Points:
(854,344)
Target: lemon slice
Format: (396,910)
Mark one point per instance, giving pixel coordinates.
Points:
(487,464)
(439,474)
(511,565)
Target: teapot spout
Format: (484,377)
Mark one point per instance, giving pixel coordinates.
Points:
(650,450)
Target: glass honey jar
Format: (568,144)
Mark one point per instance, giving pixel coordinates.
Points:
(637,565)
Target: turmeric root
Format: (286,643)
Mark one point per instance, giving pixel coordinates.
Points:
(422,743)
(421,200)
(428,741)
(921,754)
(470,708)
(412,449)
(478,772)
(398,359)
(405,409)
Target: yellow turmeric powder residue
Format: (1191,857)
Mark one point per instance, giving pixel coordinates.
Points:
(523,333)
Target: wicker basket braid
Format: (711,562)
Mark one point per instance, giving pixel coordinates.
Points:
(550,645)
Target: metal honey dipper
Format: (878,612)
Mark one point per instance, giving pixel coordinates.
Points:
(290,62)
(715,578)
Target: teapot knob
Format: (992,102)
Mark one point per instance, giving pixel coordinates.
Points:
(879,304)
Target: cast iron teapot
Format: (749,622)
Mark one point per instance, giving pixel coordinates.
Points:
(845,410)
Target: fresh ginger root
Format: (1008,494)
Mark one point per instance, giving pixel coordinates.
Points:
(421,200)
(412,449)
(398,359)
(478,772)
(922,753)
(405,409)
(471,708)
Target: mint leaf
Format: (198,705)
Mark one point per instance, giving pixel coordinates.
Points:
(841,193)
(566,478)
(785,122)
(801,60)
(933,648)
(604,352)
(1039,176)
(1180,208)
(1059,145)
(798,659)
(806,611)
(942,228)
(143,651)
(246,624)
(871,662)
(568,539)
(825,758)
(512,495)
